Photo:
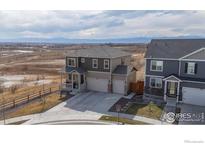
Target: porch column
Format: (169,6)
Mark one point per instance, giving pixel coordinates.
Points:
(178,91)
(72,80)
(165,90)
(79,76)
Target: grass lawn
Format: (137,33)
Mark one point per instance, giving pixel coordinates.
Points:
(37,107)
(150,110)
(122,120)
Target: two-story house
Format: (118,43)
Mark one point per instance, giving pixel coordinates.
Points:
(175,70)
(99,68)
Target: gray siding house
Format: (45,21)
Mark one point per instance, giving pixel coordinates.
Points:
(175,71)
(99,68)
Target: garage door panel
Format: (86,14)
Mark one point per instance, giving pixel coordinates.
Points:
(193,96)
(118,86)
(97,84)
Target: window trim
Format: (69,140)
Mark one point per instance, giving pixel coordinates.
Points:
(82,60)
(108,63)
(74,62)
(189,73)
(151,63)
(150,85)
(93,63)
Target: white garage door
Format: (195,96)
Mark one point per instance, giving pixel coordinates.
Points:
(96,84)
(193,96)
(118,86)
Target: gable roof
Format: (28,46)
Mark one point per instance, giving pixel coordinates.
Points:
(173,48)
(99,52)
(180,78)
(72,69)
(173,78)
(200,54)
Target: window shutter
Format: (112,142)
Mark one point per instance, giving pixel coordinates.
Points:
(186,67)
(195,70)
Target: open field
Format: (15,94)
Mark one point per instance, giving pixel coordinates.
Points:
(24,63)
(38,106)
(26,68)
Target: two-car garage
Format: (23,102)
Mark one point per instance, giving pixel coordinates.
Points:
(194,96)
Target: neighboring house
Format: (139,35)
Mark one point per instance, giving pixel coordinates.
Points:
(100,68)
(175,71)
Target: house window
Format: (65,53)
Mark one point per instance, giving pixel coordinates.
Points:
(95,63)
(82,60)
(71,62)
(106,64)
(156,65)
(156,82)
(190,68)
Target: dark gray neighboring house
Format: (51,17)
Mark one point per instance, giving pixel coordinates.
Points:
(99,68)
(175,70)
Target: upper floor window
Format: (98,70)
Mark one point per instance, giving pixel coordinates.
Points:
(95,63)
(82,60)
(156,65)
(71,62)
(156,82)
(191,68)
(106,64)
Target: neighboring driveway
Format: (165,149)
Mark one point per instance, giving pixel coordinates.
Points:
(196,112)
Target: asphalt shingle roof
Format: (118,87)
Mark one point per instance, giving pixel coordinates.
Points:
(121,69)
(99,52)
(199,55)
(173,48)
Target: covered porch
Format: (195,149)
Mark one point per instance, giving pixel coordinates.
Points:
(74,80)
(172,88)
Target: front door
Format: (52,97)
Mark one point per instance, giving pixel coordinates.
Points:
(75,81)
(172,89)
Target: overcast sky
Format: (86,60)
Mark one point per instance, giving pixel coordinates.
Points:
(100,24)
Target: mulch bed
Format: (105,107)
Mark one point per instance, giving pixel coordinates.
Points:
(125,103)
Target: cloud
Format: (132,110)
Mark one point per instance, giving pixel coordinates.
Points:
(100,24)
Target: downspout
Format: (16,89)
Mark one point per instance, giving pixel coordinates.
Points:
(110,84)
(145,70)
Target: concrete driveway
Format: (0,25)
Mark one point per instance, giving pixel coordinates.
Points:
(88,105)
(192,114)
